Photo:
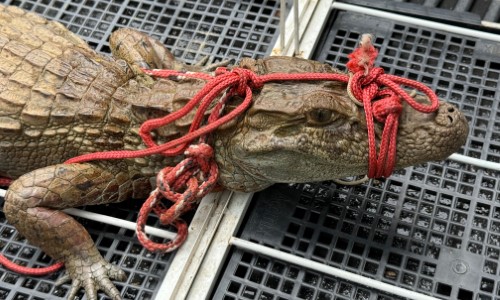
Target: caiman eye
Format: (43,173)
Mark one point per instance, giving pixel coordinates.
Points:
(320,116)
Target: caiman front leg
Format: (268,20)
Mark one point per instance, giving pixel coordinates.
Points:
(142,51)
(33,205)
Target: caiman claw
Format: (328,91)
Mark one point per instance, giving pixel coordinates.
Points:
(92,277)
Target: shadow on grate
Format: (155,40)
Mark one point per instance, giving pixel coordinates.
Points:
(432,228)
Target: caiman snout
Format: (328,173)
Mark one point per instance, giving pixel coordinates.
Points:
(430,136)
(447,115)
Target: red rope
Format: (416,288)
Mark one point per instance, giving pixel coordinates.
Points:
(4,181)
(366,86)
(28,270)
(186,183)
(14,267)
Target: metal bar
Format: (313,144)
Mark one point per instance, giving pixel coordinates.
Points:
(118,222)
(312,265)
(282,26)
(305,11)
(227,223)
(482,163)
(189,257)
(112,221)
(316,19)
(418,22)
(491,24)
(296,25)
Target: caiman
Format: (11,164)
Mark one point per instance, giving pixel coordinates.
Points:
(60,99)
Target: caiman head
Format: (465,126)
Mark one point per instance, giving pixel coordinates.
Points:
(313,131)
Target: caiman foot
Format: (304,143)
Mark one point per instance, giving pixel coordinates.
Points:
(92,276)
(203,63)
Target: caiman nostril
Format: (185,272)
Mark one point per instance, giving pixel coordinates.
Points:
(448,115)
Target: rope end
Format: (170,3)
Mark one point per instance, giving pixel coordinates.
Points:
(363,58)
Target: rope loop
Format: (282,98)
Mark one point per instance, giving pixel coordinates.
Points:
(184,185)
(150,204)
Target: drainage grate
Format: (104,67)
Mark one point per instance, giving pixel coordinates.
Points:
(462,70)
(461,11)
(433,228)
(272,279)
(145,269)
(192,30)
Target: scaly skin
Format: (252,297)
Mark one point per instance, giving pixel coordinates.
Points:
(59,99)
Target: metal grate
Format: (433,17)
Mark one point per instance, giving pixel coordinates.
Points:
(192,30)
(145,269)
(488,10)
(464,11)
(433,228)
(462,70)
(273,279)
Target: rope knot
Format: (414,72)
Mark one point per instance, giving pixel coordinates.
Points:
(361,83)
(381,97)
(388,104)
(371,76)
(176,182)
(246,79)
(202,156)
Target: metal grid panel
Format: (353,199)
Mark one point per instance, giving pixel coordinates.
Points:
(462,70)
(433,228)
(192,30)
(486,10)
(145,270)
(274,280)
